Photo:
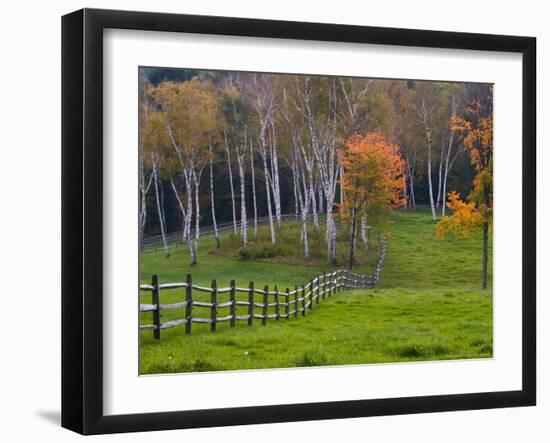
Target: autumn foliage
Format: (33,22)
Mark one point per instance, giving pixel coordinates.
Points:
(476,133)
(465,217)
(374,175)
(477,138)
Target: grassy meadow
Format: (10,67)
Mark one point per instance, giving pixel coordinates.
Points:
(427,306)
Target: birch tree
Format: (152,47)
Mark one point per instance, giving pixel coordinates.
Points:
(212,200)
(231,186)
(192,123)
(253,179)
(144,182)
(302,161)
(261,94)
(424,111)
(319,111)
(236,138)
(450,154)
(154,142)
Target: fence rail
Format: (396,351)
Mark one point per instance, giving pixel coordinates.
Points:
(295,302)
(156,242)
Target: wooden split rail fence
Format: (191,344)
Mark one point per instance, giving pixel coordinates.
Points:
(156,242)
(285,304)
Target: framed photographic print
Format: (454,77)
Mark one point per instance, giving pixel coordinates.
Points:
(269,221)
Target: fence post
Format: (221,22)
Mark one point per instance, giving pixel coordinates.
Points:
(264,309)
(287,301)
(345,275)
(296,301)
(156,301)
(189,306)
(214,308)
(318,289)
(324,285)
(233,306)
(250,303)
(311,294)
(277,305)
(303,300)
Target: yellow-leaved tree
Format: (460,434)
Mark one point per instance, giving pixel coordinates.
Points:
(476,132)
(192,121)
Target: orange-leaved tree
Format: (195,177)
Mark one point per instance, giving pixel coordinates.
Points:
(476,132)
(373,180)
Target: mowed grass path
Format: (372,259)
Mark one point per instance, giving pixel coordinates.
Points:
(427,307)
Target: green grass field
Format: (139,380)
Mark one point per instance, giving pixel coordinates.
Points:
(427,306)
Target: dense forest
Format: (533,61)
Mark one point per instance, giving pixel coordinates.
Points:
(218,147)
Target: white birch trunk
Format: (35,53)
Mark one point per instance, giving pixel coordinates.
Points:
(161,190)
(268,196)
(448,162)
(444,201)
(230,170)
(182,210)
(159,208)
(304,200)
(212,205)
(192,239)
(320,193)
(424,113)
(295,185)
(189,210)
(275,176)
(364,230)
(254,192)
(411,172)
(144,190)
(430,185)
(197,182)
(440,173)
(313,202)
(305,209)
(142,200)
(325,156)
(244,220)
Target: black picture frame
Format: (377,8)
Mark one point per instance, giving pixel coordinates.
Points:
(82,215)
